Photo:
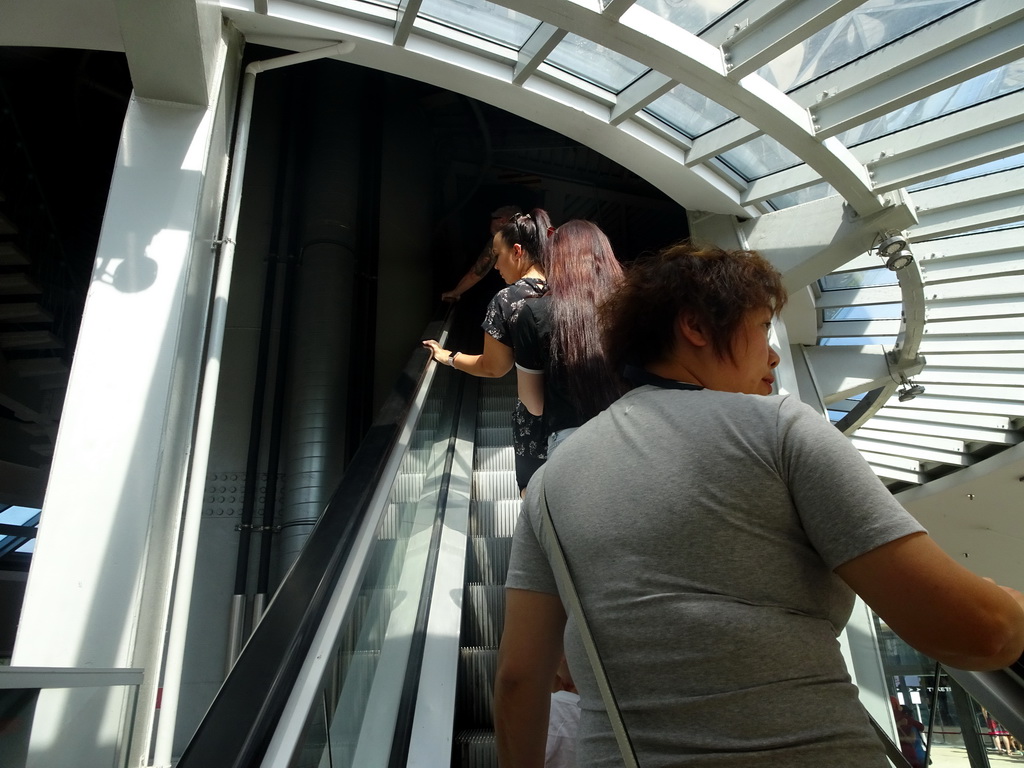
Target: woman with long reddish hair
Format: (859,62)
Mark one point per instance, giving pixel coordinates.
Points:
(563,372)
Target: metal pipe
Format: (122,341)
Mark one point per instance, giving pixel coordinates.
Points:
(181,605)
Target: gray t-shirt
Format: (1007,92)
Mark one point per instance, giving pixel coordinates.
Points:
(702,529)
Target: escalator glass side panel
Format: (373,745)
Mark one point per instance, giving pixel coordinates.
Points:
(361,688)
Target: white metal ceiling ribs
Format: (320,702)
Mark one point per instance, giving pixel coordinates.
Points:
(920,129)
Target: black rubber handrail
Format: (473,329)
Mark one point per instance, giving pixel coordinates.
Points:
(1001,692)
(240,722)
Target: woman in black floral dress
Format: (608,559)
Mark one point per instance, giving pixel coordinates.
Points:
(521,247)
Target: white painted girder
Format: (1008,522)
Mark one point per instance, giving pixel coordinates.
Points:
(920,413)
(639,94)
(963,206)
(963,402)
(891,473)
(807,241)
(906,449)
(763,39)
(988,378)
(943,429)
(982,328)
(842,372)
(973,40)
(172,49)
(979,343)
(537,48)
(980,289)
(940,159)
(970,359)
(992,307)
(979,246)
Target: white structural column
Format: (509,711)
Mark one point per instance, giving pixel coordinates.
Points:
(101,575)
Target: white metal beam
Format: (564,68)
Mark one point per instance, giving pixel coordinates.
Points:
(977,39)
(986,201)
(807,241)
(764,39)
(987,378)
(906,449)
(171,49)
(1004,406)
(851,328)
(944,429)
(404,20)
(720,140)
(639,94)
(985,132)
(923,413)
(842,372)
(992,307)
(541,43)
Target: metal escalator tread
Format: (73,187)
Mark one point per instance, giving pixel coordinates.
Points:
(494,508)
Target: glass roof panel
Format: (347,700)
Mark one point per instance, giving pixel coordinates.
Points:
(801,196)
(867,312)
(986,87)
(856,341)
(691,16)
(689,112)
(595,63)
(482,19)
(862,278)
(760,157)
(867,28)
(1005,164)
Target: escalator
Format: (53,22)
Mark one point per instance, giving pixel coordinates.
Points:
(356,659)
(380,646)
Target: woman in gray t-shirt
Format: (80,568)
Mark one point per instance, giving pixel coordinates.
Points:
(717,541)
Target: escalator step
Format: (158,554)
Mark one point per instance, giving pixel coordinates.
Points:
(500,436)
(474,748)
(477,667)
(493,518)
(494,458)
(496,420)
(483,615)
(494,486)
(408,487)
(487,559)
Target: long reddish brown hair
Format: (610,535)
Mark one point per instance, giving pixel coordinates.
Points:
(582,273)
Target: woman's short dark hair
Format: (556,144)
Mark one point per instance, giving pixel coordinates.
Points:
(532,231)
(715,286)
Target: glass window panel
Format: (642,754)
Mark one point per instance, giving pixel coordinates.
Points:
(1005,164)
(868,28)
(691,16)
(982,88)
(482,19)
(863,278)
(17,515)
(801,196)
(760,157)
(595,63)
(856,341)
(869,312)
(689,112)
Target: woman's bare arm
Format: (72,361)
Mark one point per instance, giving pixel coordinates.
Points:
(528,658)
(938,606)
(495,361)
